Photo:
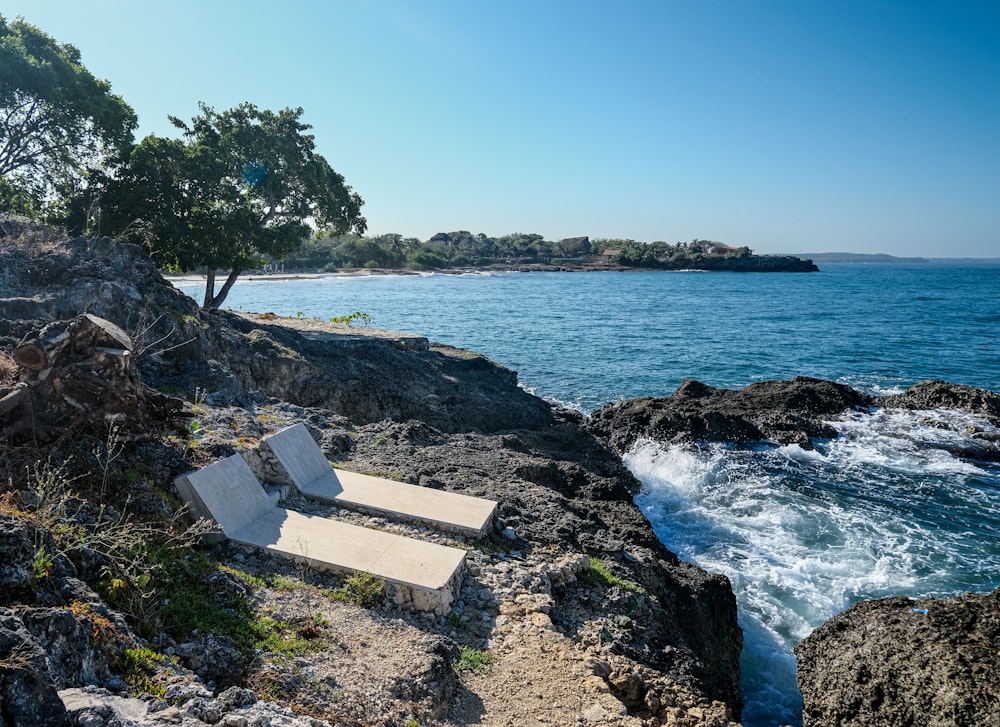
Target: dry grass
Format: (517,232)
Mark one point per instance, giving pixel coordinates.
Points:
(8,371)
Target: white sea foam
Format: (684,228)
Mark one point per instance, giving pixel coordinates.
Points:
(887,508)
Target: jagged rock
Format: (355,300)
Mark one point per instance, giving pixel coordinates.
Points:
(896,661)
(27,695)
(16,554)
(943,394)
(790,412)
(434,416)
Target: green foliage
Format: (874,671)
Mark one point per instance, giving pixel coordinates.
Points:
(361,589)
(662,255)
(138,554)
(41,565)
(56,119)
(471,659)
(194,602)
(600,575)
(240,185)
(494,543)
(365,319)
(138,666)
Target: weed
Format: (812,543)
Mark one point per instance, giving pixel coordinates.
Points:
(140,665)
(194,601)
(471,659)
(599,575)
(361,589)
(365,319)
(137,552)
(380,440)
(494,543)
(112,450)
(41,565)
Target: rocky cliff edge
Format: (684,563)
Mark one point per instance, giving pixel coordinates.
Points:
(572,611)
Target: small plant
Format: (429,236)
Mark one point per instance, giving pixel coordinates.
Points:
(140,665)
(600,575)
(361,589)
(41,565)
(380,440)
(364,319)
(471,659)
(299,314)
(112,450)
(494,543)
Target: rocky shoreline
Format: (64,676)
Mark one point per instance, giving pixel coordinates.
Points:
(581,615)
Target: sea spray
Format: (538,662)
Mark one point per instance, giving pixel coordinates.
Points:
(886,508)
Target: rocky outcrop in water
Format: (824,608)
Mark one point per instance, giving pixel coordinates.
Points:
(897,661)
(785,412)
(790,412)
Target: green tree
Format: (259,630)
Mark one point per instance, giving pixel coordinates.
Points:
(239,185)
(56,119)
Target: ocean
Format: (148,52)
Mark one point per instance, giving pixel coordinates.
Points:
(885,509)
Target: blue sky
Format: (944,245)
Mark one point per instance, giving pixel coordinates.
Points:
(788,126)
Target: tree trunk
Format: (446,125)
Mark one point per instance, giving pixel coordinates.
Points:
(209,288)
(224,291)
(75,373)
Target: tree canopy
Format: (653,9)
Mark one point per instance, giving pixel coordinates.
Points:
(56,119)
(240,185)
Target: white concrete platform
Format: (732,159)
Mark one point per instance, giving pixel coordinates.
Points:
(313,475)
(425,576)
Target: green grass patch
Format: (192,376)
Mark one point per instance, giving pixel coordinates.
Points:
(140,665)
(470,659)
(494,543)
(361,589)
(600,575)
(194,602)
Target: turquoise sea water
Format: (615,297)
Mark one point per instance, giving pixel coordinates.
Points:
(885,509)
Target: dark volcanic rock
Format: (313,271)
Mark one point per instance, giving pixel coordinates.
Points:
(942,394)
(790,412)
(431,415)
(901,662)
(560,489)
(27,695)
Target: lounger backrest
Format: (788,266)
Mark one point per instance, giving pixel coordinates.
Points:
(299,454)
(229,493)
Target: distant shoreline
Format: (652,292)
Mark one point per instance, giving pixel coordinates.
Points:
(758,266)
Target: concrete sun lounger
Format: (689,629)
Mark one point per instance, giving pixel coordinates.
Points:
(313,476)
(422,575)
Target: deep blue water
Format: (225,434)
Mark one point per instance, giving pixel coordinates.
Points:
(882,510)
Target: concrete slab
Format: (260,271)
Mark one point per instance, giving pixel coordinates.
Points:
(226,492)
(312,474)
(423,575)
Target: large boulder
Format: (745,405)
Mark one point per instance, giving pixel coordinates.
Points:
(943,394)
(789,412)
(896,661)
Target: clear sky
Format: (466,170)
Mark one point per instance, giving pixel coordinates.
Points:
(785,125)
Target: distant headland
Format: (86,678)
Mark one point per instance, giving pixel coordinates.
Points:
(463,250)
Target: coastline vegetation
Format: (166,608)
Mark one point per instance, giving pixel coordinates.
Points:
(463,249)
(241,189)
